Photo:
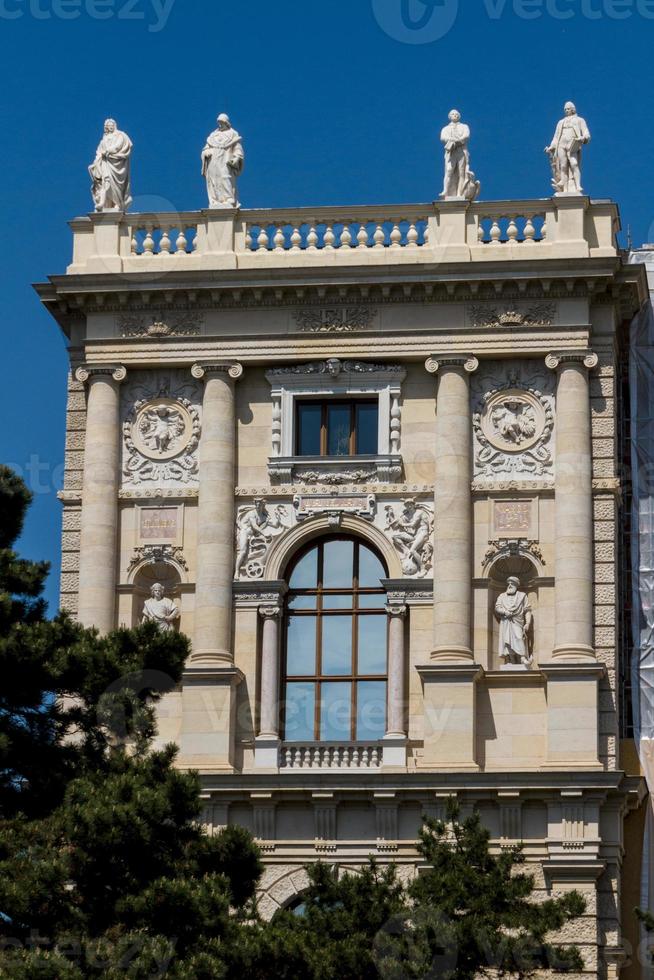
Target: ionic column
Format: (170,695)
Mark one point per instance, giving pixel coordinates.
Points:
(453,534)
(395,727)
(269,711)
(215,552)
(573,507)
(98,544)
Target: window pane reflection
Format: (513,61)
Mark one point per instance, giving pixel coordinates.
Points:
(337,645)
(301,646)
(371,570)
(305,573)
(367,423)
(372,645)
(371,710)
(338,567)
(338,430)
(336,711)
(309,426)
(300,712)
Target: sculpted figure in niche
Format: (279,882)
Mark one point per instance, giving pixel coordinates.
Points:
(161,427)
(110,171)
(222,164)
(459,179)
(411,535)
(513,613)
(515,422)
(160,610)
(255,531)
(572,133)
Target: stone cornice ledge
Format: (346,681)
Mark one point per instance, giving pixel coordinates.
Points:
(567,668)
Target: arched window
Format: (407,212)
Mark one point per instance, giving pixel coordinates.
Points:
(335,644)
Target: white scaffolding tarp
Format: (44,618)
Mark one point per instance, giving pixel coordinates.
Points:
(641,387)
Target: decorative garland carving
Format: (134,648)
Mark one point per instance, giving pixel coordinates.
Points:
(334,367)
(153,554)
(513,549)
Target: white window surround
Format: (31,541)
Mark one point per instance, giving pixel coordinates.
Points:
(334,378)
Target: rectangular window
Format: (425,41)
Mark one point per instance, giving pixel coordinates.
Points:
(337,428)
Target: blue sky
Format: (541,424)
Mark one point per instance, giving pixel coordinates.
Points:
(338,102)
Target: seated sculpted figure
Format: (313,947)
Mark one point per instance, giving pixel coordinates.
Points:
(160,610)
(513,613)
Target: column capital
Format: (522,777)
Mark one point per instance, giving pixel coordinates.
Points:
(90,372)
(397,611)
(202,370)
(439,362)
(558,359)
(270,612)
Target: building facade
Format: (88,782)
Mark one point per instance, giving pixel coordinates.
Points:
(374,457)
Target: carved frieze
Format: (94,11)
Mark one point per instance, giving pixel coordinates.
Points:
(536,315)
(161,430)
(336,319)
(180,324)
(513,421)
(334,367)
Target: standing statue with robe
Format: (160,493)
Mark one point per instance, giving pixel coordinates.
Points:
(110,171)
(160,610)
(513,613)
(222,164)
(460,182)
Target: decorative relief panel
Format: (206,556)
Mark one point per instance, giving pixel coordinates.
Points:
(180,324)
(408,524)
(513,421)
(161,430)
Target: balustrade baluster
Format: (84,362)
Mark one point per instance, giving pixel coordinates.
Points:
(530,231)
(396,237)
(379,237)
(481,233)
(180,244)
(512,231)
(263,241)
(329,239)
(495,233)
(312,240)
(346,237)
(362,236)
(165,243)
(296,240)
(412,237)
(148,241)
(134,244)
(280,240)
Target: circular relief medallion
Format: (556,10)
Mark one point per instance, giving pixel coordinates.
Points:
(162,429)
(513,420)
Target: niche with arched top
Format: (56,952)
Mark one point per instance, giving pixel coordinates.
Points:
(146,576)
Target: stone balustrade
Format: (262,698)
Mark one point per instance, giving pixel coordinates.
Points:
(316,756)
(450,231)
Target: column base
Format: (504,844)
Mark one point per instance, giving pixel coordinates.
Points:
(218,658)
(452,655)
(574,653)
(394,748)
(208,716)
(266,752)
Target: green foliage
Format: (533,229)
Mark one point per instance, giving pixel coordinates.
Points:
(104,869)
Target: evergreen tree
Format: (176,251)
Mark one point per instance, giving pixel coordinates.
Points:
(104,869)
(467,914)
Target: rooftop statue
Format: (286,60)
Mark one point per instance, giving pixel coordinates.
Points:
(571,135)
(460,183)
(222,164)
(110,170)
